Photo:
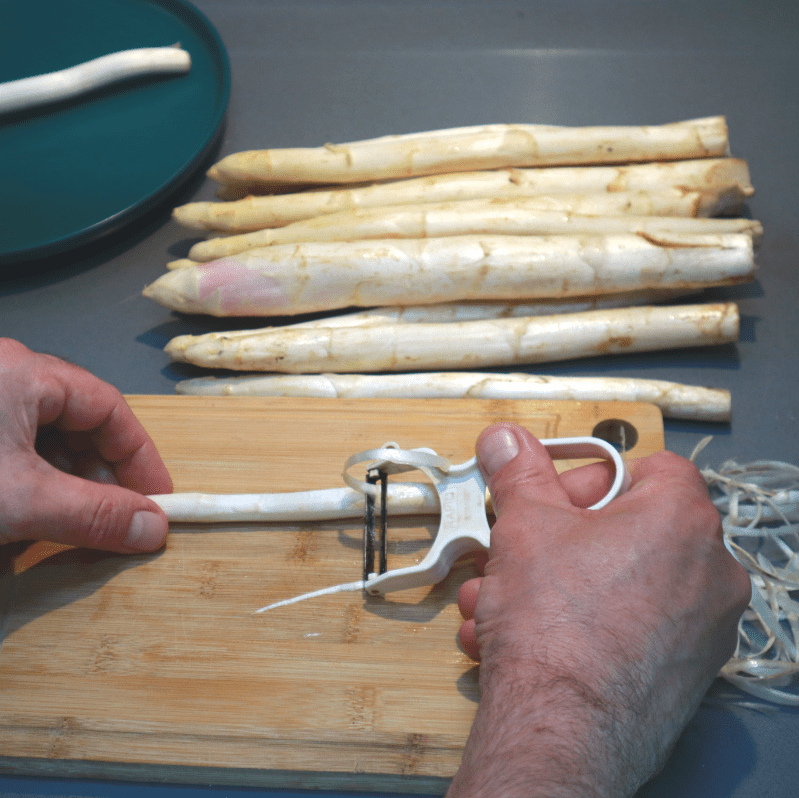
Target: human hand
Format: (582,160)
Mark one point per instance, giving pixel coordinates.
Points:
(598,631)
(74,460)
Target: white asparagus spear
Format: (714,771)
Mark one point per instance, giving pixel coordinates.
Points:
(17,95)
(466,217)
(481,147)
(714,184)
(675,400)
(308,278)
(474,311)
(469,311)
(464,345)
(670,203)
(404,498)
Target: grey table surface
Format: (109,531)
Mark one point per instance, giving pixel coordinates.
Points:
(304,73)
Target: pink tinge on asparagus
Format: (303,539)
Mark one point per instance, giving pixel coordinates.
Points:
(236,290)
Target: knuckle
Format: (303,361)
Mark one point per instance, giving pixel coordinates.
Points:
(11,348)
(101,523)
(706,516)
(678,467)
(517,483)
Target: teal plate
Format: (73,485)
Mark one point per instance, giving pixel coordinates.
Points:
(73,172)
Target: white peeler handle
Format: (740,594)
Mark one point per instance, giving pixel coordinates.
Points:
(462,493)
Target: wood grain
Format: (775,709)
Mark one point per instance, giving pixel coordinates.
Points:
(154,667)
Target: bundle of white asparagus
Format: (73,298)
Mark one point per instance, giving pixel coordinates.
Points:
(563,245)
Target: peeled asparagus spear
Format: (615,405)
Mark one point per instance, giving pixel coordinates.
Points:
(313,505)
(65,84)
(481,147)
(306,278)
(674,399)
(713,186)
(460,345)
(466,217)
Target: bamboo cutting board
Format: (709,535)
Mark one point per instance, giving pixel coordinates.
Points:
(153,667)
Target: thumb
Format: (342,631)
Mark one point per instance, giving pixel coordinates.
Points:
(517,467)
(47,504)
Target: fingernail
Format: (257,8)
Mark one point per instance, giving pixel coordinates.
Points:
(147,531)
(496,449)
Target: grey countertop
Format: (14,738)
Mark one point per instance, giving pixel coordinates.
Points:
(304,73)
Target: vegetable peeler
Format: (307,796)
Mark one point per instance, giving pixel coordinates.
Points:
(462,494)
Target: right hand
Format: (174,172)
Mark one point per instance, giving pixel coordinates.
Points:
(598,631)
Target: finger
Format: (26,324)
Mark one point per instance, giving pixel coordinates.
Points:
(76,401)
(467,597)
(44,503)
(480,559)
(661,465)
(517,467)
(468,640)
(588,484)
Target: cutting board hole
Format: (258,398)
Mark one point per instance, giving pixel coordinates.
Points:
(617,432)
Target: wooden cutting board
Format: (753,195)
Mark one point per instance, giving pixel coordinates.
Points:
(153,667)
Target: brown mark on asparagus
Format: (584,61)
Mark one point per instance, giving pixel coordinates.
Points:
(664,242)
(341,149)
(604,147)
(527,142)
(615,342)
(711,324)
(620,182)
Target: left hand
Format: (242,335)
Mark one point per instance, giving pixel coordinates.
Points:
(74,460)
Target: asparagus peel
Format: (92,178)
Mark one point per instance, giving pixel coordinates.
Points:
(463,345)
(467,149)
(712,186)
(466,217)
(675,400)
(306,278)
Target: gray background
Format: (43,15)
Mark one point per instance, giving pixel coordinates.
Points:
(336,70)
